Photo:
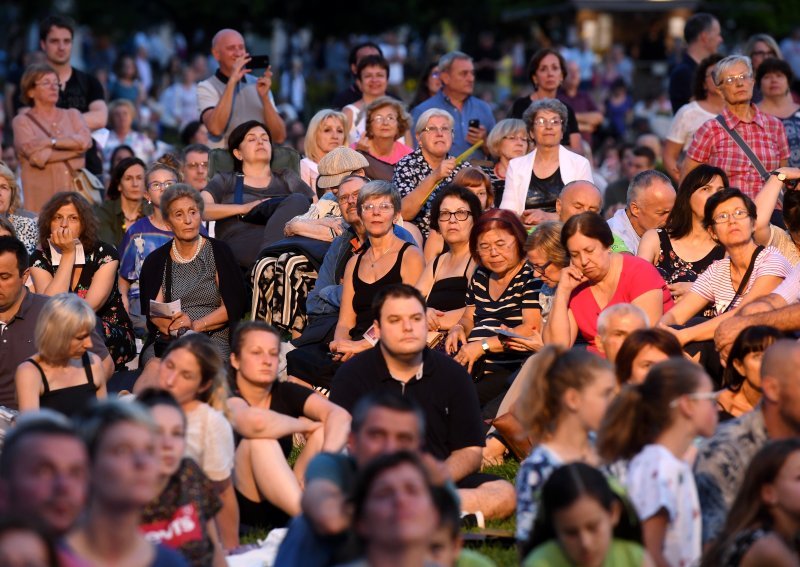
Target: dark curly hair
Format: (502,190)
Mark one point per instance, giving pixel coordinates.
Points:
(88,235)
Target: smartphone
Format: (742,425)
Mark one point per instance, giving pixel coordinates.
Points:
(511,334)
(258,62)
(474,123)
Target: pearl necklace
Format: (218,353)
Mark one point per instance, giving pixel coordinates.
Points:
(180,259)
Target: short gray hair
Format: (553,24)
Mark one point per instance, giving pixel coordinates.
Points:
(551,104)
(725,64)
(425,117)
(378,188)
(446,60)
(501,130)
(177,191)
(642,181)
(619,309)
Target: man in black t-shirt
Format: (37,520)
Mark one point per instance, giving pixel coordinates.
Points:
(401,363)
(79,90)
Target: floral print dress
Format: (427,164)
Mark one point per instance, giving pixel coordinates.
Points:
(117,327)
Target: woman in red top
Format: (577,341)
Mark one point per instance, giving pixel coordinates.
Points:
(598,278)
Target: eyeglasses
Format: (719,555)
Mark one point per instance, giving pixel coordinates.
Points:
(353,195)
(159,186)
(745,77)
(460,214)
(710,396)
(497,247)
(738,214)
(197,165)
(444,130)
(49,84)
(548,122)
(380,118)
(380,208)
(769,53)
(516,138)
(540,269)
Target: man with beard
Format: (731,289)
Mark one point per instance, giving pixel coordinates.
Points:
(44,474)
(723,459)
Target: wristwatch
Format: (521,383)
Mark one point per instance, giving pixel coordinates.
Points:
(485,346)
(788,183)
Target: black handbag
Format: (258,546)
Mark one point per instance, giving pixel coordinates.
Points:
(162,341)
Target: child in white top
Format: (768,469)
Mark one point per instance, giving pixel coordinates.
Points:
(654,424)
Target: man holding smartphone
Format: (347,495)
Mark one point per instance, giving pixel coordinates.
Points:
(228,98)
(473,117)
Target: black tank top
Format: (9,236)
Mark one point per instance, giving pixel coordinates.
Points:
(448,294)
(72,399)
(365,292)
(675,269)
(543,193)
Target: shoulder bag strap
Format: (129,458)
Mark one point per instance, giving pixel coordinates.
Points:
(762,171)
(238,188)
(745,278)
(49,135)
(39,124)
(168,279)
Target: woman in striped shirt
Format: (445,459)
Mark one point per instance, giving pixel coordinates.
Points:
(503,292)
(730,218)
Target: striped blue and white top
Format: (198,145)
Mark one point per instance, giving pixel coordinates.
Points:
(522,293)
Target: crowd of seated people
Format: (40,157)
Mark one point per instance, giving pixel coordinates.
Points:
(447,313)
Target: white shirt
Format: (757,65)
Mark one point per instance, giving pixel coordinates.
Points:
(657,480)
(686,122)
(789,290)
(621,226)
(714,285)
(209,441)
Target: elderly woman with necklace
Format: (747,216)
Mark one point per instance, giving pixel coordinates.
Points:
(200,272)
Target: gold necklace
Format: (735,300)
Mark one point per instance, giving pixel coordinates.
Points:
(375,260)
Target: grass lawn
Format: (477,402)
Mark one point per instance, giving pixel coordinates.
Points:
(501,553)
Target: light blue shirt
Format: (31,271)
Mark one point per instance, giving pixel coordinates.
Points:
(473,108)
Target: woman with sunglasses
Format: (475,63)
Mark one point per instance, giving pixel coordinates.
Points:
(746,274)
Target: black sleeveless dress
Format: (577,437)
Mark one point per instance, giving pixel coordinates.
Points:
(365,292)
(448,294)
(72,399)
(675,269)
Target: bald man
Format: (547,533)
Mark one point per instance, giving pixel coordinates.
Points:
(578,197)
(723,460)
(229,97)
(651,197)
